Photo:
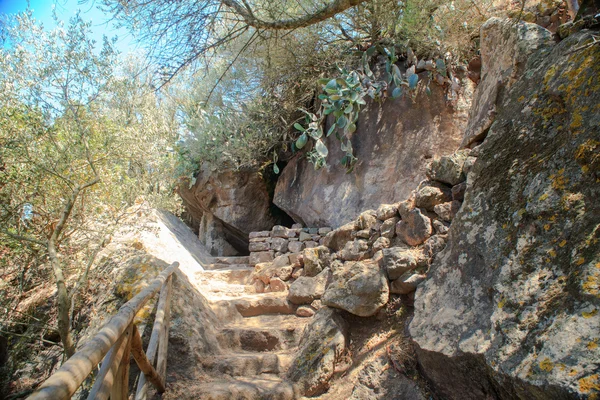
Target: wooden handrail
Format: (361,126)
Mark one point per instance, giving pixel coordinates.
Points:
(64,382)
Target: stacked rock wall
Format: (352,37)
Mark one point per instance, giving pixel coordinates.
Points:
(265,246)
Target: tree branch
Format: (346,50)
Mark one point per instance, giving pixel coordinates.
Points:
(328,11)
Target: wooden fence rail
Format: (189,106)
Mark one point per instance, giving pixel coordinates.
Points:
(116,341)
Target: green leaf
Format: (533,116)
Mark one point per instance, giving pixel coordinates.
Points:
(332,84)
(331,129)
(351,127)
(335,97)
(371,50)
(342,121)
(275,169)
(321,148)
(348,109)
(301,142)
(397,92)
(323,97)
(428,91)
(413,80)
(299,127)
(338,113)
(328,111)
(441,66)
(324,81)
(341,82)
(316,134)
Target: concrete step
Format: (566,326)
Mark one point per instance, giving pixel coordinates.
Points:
(264,387)
(253,305)
(243,364)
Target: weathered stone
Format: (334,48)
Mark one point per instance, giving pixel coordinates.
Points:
(278,253)
(258,240)
(381,243)
(258,246)
(388,227)
(298,272)
(313,231)
(259,286)
(458,191)
(355,250)
(282,261)
(324,231)
(336,239)
(305,311)
(505,49)
(279,231)
(415,228)
(468,165)
(310,244)
(279,244)
(267,271)
(397,261)
(305,289)
(260,234)
(405,207)
(315,238)
(321,347)
(395,148)
(316,259)
(366,220)
(449,169)
(294,259)
(360,288)
(511,304)
(387,211)
(407,286)
(434,245)
(316,304)
(440,227)
(277,285)
(304,236)
(261,257)
(447,211)
(297,226)
(432,194)
(295,247)
(364,234)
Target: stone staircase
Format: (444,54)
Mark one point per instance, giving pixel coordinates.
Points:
(259,335)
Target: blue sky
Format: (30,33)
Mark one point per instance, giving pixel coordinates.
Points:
(42,11)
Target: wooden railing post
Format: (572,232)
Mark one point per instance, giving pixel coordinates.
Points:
(120,389)
(163,343)
(142,361)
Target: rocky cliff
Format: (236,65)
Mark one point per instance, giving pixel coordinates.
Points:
(393,143)
(511,306)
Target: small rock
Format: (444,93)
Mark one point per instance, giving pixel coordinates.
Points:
(305,289)
(447,211)
(296,226)
(305,311)
(310,244)
(277,285)
(387,211)
(388,227)
(363,234)
(294,258)
(279,231)
(258,246)
(315,238)
(304,236)
(281,261)
(316,259)
(409,285)
(258,239)
(260,257)
(449,169)
(366,220)
(298,272)
(336,239)
(259,286)
(324,231)
(381,243)
(253,235)
(405,207)
(431,195)
(441,227)
(313,231)
(279,244)
(415,228)
(397,261)
(316,304)
(355,250)
(361,288)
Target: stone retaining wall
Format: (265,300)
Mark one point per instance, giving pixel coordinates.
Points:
(266,245)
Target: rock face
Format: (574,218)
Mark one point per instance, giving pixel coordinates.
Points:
(512,306)
(322,345)
(360,288)
(227,206)
(391,151)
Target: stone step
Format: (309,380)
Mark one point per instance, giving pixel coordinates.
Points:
(249,388)
(253,305)
(232,260)
(243,364)
(232,274)
(260,339)
(218,266)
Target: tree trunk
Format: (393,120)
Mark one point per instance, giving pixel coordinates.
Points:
(62,301)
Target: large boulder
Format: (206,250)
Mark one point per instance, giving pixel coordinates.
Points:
(306,289)
(316,259)
(506,45)
(414,228)
(512,306)
(321,347)
(392,142)
(360,288)
(226,206)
